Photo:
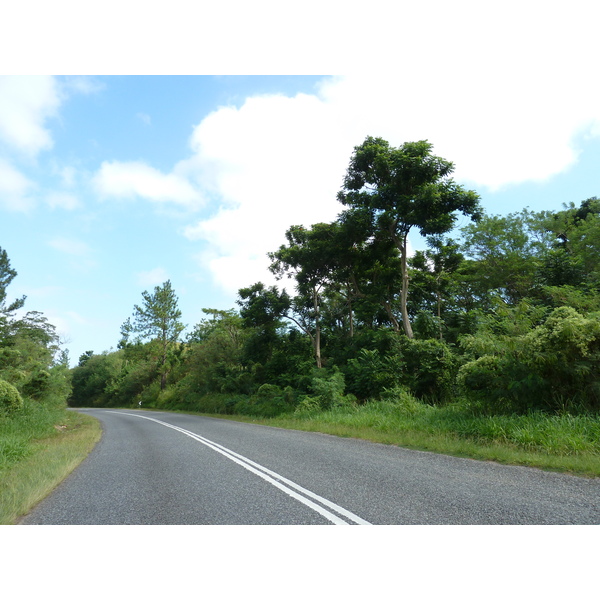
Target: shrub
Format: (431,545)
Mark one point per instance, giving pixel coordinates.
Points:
(268,401)
(38,384)
(10,399)
(328,389)
(307,405)
(555,366)
(430,368)
(371,372)
(402,399)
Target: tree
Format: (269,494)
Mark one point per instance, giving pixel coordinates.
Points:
(263,308)
(213,359)
(405,188)
(7,274)
(158,319)
(577,235)
(507,251)
(310,257)
(431,273)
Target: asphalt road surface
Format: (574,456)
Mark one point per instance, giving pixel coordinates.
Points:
(153,467)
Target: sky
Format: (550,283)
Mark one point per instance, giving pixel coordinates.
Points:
(113,182)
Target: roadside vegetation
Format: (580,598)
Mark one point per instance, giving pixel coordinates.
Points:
(487,344)
(40,441)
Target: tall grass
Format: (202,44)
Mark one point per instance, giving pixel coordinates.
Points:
(39,446)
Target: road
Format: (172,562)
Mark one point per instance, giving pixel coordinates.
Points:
(154,467)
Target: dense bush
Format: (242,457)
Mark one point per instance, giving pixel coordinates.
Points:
(370,373)
(429,370)
(10,399)
(554,366)
(328,389)
(504,321)
(268,401)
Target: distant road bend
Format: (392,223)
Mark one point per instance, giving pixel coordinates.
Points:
(167,468)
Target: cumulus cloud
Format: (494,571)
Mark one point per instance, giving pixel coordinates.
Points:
(138,180)
(504,110)
(25,104)
(274,162)
(15,189)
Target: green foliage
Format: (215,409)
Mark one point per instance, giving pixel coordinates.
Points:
(7,274)
(268,401)
(506,252)
(10,398)
(96,382)
(370,373)
(554,366)
(504,320)
(405,188)
(159,319)
(328,389)
(401,398)
(429,369)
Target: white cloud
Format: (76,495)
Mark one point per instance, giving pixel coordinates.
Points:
(153,277)
(506,101)
(275,162)
(15,189)
(25,104)
(136,179)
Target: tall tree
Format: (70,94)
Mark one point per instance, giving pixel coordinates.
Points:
(7,274)
(158,319)
(405,188)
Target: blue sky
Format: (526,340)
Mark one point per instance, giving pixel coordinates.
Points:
(110,185)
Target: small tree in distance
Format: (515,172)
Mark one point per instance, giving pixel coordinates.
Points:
(159,319)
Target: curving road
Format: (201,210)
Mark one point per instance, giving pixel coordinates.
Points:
(152,467)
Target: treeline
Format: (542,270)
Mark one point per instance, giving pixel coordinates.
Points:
(34,371)
(501,314)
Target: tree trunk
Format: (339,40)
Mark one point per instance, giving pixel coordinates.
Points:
(351,314)
(163,374)
(404,297)
(439,306)
(391,316)
(317,329)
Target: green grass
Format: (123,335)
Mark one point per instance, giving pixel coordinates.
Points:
(39,447)
(565,443)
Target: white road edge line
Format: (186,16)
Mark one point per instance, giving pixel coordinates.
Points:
(271,477)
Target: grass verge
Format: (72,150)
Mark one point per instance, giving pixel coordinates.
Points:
(39,465)
(563,443)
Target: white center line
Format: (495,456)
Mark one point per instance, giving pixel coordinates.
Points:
(289,487)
